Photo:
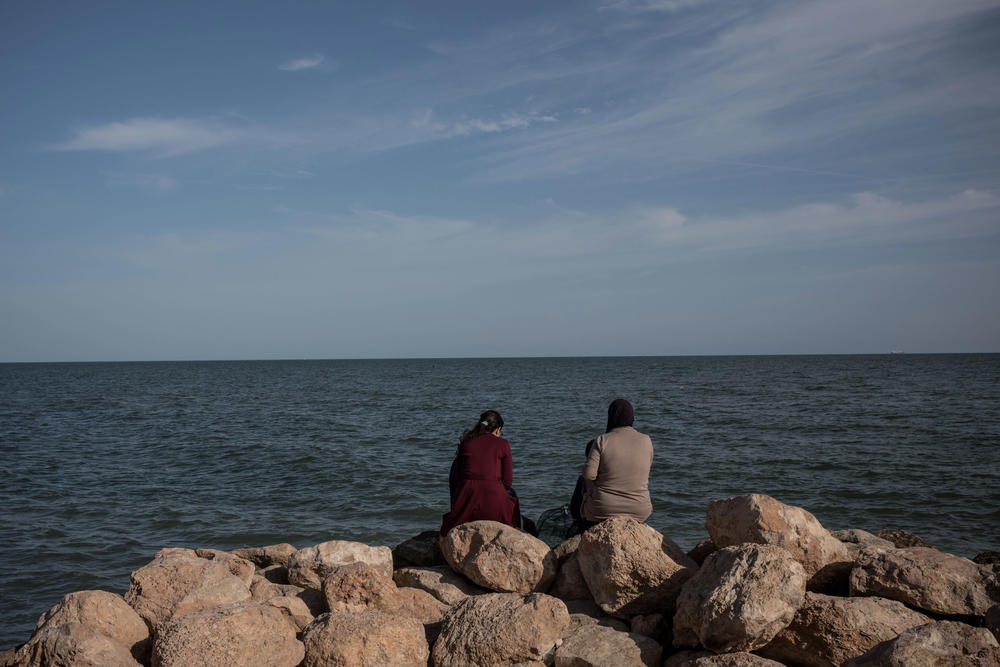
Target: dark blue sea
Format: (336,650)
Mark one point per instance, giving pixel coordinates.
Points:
(103,464)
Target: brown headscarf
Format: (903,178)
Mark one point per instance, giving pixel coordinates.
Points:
(619,414)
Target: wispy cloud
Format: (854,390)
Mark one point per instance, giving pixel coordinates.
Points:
(153,182)
(299,64)
(164,137)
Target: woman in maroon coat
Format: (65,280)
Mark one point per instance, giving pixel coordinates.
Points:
(482,476)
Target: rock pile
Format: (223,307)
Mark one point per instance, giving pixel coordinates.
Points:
(769,587)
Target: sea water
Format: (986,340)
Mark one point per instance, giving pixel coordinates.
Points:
(103,464)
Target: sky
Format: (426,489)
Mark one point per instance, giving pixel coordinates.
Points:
(452,179)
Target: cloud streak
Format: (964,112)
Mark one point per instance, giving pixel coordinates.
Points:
(299,64)
(162,136)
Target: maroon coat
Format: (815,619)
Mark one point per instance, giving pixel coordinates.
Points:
(484,473)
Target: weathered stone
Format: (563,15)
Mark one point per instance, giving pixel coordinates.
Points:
(294,608)
(903,538)
(423,550)
(740,599)
(73,644)
(310,566)
(761,519)
(991,558)
(934,644)
(827,630)
(861,538)
(992,621)
(239,635)
(926,579)
(262,590)
(709,659)
(269,556)
(632,569)
(356,587)
(366,638)
(598,646)
(239,567)
(651,625)
(105,613)
(178,582)
(499,557)
(569,583)
(440,581)
(586,612)
(500,628)
(277,574)
(702,550)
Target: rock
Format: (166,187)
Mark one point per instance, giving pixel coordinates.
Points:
(761,519)
(310,566)
(499,557)
(827,630)
(740,599)
(440,581)
(598,646)
(631,569)
(358,586)
(239,567)
(709,659)
(992,621)
(294,608)
(104,613)
(702,550)
(861,538)
(500,628)
(933,644)
(423,550)
(73,644)
(569,583)
(987,558)
(241,634)
(269,556)
(586,612)
(926,579)
(903,538)
(277,574)
(348,639)
(262,590)
(178,582)
(651,625)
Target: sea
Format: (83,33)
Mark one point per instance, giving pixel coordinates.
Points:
(103,464)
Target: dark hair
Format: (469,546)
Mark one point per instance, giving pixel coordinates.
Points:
(488,422)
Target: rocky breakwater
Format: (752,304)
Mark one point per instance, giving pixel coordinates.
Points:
(770,586)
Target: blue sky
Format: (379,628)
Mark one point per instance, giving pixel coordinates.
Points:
(648,177)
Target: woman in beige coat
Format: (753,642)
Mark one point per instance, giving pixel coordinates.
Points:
(617,469)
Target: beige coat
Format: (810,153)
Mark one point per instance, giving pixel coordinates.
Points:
(618,469)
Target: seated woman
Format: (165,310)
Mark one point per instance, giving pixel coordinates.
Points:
(481,477)
(617,470)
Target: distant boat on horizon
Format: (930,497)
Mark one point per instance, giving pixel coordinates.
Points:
(897,352)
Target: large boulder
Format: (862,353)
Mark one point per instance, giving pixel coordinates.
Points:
(927,579)
(238,566)
(261,590)
(569,583)
(269,556)
(423,550)
(827,630)
(178,582)
(499,557)
(740,599)
(358,586)
(761,519)
(632,569)
(440,581)
(992,621)
(372,637)
(933,644)
(310,566)
(856,539)
(73,643)
(902,539)
(500,628)
(709,659)
(599,646)
(238,635)
(104,613)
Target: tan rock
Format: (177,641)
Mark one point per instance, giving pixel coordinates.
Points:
(293,608)
(423,550)
(902,539)
(277,574)
(598,646)
(440,581)
(500,628)
(861,538)
(105,613)
(269,556)
(499,557)
(651,625)
(702,550)
(178,582)
(827,630)
(366,638)
(709,659)
(992,621)
(262,590)
(740,599)
(632,569)
(926,579)
(761,519)
(357,586)
(310,566)
(419,605)
(933,645)
(73,644)
(248,635)
(239,567)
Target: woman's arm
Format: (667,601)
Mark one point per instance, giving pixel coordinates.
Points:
(506,466)
(593,462)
